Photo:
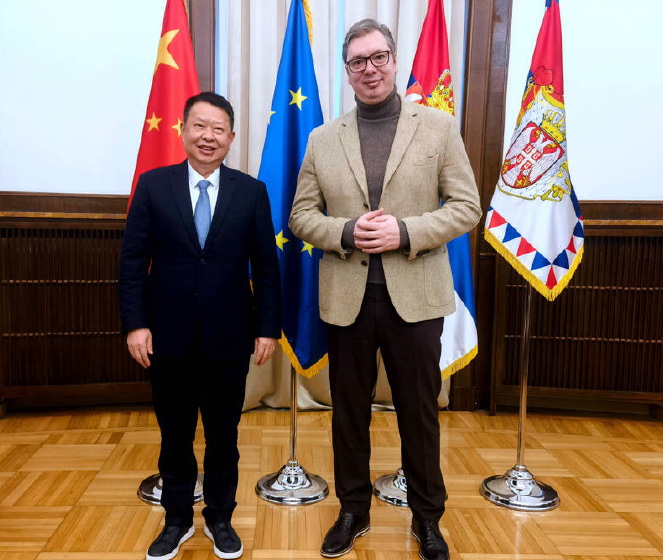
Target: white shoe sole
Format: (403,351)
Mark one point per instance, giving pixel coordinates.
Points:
(421,555)
(172,555)
(225,555)
(352,544)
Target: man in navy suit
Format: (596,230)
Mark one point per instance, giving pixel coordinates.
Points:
(193,315)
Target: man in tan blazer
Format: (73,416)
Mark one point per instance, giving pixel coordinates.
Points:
(369,195)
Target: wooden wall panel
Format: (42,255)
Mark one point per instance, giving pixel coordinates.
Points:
(59,316)
(202,22)
(483,125)
(603,336)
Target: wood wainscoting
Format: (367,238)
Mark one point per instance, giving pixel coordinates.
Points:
(599,345)
(60,334)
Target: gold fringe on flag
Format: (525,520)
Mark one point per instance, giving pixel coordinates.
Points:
(309,372)
(309,21)
(460,363)
(527,274)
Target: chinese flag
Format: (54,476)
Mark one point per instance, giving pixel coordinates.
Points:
(175,80)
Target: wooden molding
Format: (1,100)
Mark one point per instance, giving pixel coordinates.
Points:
(202,21)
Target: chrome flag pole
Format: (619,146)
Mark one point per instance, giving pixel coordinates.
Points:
(292,485)
(517,488)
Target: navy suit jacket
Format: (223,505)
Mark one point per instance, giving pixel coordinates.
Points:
(171,285)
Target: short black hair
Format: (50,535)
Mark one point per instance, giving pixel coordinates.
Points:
(213,99)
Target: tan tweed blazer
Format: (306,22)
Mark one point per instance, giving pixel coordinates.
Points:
(427,165)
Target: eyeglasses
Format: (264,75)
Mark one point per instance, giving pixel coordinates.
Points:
(380,58)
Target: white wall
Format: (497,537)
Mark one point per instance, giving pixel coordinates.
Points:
(613,86)
(75,77)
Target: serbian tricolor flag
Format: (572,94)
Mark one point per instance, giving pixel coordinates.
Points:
(175,80)
(534,220)
(430,81)
(430,84)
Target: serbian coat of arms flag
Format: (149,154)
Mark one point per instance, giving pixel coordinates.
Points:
(534,220)
(430,84)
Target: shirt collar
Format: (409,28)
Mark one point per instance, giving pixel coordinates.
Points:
(195,177)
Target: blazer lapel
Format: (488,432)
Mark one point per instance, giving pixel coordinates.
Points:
(180,188)
(349,134)
(407,125)
(227,188)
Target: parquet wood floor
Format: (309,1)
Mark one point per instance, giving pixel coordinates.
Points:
(68,484)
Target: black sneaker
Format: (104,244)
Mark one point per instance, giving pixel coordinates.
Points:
(167,544)
(432,545)
(341,537)
(226,542)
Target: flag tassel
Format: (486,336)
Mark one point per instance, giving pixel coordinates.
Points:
(309,372)
(460,363)
(539,286)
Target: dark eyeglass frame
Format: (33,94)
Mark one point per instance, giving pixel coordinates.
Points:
(364,61)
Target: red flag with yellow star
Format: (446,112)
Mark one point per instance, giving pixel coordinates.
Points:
(175,80)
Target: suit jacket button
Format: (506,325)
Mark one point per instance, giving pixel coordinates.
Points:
(364,263)
(202,261)
(195,294)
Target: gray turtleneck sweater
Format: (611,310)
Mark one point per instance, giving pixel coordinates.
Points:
(377,128)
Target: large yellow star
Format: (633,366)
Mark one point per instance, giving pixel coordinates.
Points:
(308,248)
(270,116)
(280,240)
(163,56)
(297,98)
(153,121)
(178,127)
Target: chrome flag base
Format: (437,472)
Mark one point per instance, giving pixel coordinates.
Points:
(292,486)
(150,489)
(519,490)
(392,488)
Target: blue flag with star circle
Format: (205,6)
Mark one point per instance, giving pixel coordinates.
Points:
(294,114)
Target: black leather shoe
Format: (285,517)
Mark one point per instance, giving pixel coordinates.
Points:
(226,542)
(341,537)
(167,544)
(432,545)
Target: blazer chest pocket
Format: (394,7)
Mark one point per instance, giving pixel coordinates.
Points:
(422,172)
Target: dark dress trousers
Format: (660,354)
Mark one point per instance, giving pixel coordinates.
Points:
(204,307)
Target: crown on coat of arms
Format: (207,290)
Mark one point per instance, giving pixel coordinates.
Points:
(554,123)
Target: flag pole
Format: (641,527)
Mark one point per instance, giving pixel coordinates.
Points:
(517,488)
(292,485)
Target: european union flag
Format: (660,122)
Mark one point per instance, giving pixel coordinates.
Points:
(295,113)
